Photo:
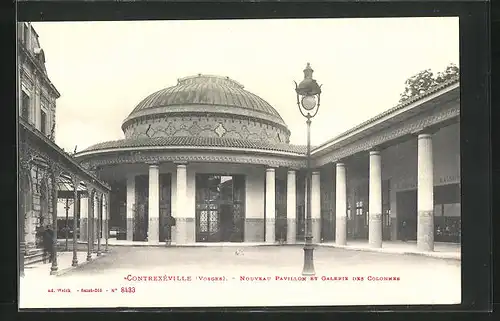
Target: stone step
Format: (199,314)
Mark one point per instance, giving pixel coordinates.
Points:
(33,256)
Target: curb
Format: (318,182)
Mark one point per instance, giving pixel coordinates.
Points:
(431,255)
(71,268)
(200,246)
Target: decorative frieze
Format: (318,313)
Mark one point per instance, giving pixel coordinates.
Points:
(227,127)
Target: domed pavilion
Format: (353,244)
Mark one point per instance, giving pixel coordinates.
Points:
(206,152)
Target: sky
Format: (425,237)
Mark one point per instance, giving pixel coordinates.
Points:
(104,69)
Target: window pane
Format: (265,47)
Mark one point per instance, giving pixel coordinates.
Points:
(43,125)
(25,106)
(438,210)
(452,210)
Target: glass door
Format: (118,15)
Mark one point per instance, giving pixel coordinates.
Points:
(220,208)
(207,209)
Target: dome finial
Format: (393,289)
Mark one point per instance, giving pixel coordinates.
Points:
(308,72)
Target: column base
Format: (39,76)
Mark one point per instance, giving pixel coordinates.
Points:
(154,230)
(270,230)
(184,230)
(291,231)
(254,230)
(375,231)
(425,231)
(89,257)
(341,230)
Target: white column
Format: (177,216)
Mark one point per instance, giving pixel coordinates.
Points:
(340,205)
(179,232)
(291,208)
(154,204)
(131,206)
(270,205)
(84,215)
(316,207)
(375,201)
(184,230)
(425,194)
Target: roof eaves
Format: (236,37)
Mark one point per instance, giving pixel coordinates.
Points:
(393,109)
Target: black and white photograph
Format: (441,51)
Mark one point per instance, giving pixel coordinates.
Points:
(239,163)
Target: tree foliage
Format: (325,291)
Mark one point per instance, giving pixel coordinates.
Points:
(425,80)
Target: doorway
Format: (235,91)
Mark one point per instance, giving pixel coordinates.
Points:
(406,204)
(220,208)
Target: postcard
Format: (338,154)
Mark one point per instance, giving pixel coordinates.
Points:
(239,163)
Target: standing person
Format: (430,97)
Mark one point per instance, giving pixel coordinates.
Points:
(404,231)
(170,222)
(48,244)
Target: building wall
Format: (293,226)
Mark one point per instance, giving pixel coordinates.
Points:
(33,80)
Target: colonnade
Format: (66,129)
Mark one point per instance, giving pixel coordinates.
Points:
(184,231)
(425,198)
(94,221)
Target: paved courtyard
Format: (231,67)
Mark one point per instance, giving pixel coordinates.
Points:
(250,276)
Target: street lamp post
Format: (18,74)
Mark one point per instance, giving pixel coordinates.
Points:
(308,101)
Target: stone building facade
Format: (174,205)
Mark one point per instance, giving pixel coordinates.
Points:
(37,106)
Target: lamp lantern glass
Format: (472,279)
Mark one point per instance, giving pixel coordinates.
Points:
(309,102)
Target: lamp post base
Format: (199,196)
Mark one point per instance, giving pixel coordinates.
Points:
(308,258)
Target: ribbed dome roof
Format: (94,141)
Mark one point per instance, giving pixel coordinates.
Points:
(212,94)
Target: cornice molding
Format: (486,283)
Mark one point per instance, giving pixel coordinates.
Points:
(165,157)
(410,127)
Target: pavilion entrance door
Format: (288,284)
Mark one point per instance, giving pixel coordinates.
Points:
(219,208)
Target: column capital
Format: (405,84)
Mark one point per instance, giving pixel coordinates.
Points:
(316,173)
(424,135)
(375,151)
(75,180)
(339,164)
(292,171)
(90,189)
(426,132)
(270,169)
(181,163)
(153,164)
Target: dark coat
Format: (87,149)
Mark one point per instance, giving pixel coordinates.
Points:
(170,221)
(48,240)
